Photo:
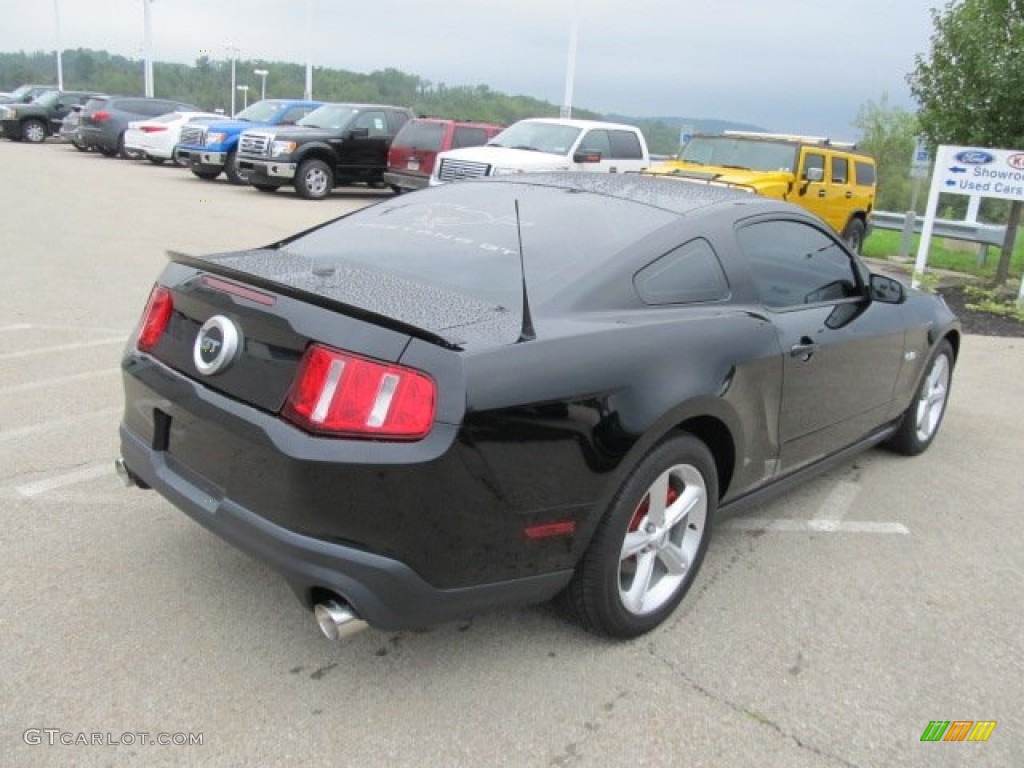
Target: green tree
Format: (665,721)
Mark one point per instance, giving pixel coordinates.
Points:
(969,85)
(888,134)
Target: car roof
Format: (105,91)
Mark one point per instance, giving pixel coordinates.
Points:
(674,195)
(576,123)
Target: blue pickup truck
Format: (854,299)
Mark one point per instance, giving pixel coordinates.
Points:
(211,148)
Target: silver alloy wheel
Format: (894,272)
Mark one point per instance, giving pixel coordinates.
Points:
(932,402)
(663,539)
(316,181)
(34,131)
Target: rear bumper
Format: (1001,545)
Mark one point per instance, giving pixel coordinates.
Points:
(406,180)
(385,592)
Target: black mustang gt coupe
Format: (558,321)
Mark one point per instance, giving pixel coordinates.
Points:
(503,390)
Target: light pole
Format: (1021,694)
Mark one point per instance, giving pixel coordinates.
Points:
(233,53)
(262,75)
(147,67)
(308,95)
(570,69)
(245,95)
(60,65)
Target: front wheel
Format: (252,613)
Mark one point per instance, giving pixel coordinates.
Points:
(651,542)
(314,179)
(923,418)
(235,174)
(33,131)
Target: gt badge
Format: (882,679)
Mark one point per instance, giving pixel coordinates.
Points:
(216,345)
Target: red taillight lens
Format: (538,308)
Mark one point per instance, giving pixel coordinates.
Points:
(153,128)
(101,115)
(339,393)
(155,318)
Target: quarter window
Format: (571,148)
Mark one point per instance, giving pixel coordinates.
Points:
(865,173)
(690,273)
(793,263)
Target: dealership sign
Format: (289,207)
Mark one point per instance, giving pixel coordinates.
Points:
(971,171)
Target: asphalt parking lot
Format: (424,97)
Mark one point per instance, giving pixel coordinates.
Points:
(826,629)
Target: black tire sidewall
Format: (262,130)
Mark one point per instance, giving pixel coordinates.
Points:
(300,179)
(905,440)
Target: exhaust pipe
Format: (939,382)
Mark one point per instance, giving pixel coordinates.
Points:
(337,620)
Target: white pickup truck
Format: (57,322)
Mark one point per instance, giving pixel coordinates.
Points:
(548,144)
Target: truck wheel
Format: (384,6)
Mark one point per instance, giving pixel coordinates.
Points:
(266,187)
(235,174)
(314,179)
(155,160)
(206,175)
(33,131)
(854,235)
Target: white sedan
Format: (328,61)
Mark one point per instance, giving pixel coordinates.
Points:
(155,139)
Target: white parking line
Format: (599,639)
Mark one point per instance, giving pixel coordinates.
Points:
(75,328)
(838,502)
(54,424)
(62,348)
(18,327)
(31,386)
(82,475)
(811,526)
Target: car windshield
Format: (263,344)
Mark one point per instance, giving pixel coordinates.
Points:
(538,136)
(463,238)
(48,99)
(331,116)
(747,154)
(260,112)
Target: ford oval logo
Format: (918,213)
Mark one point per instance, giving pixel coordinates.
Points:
(974,157)
(217,345)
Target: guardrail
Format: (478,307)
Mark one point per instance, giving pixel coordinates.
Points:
(972,231)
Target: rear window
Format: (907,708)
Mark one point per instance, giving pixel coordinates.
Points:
(463,237)
(468,136)
(426,136)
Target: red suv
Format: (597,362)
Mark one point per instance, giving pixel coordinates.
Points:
(412,153)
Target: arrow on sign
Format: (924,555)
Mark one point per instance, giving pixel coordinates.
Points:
(950,183)
(957,169)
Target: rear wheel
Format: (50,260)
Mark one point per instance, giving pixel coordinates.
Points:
(854,235)
(650,543)
(33,131)
(79,145)
(923,418)
(266,187)
(314,179)
(107,152)
(235,174)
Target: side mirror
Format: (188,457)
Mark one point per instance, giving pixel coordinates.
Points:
(814,175)
(586,156)
(886,290)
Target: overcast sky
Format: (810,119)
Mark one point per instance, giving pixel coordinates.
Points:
(801,66)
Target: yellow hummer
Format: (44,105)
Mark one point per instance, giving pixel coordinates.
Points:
(829,178)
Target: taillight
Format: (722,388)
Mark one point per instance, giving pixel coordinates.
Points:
(153,128)
(155,318)
(339,393)
(101,115)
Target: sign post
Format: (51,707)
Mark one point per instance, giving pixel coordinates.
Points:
(973,172)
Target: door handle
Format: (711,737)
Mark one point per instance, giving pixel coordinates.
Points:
(804,350)
(849,195)
(821,193)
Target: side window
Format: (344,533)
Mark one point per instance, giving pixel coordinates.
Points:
(375,122)
(814,166)
(466,136)
(865,173)
(840,170)
(793,263)
(625,145)
(293,114)
(596,141)
(690,273)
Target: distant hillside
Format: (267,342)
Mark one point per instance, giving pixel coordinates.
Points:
(207,83)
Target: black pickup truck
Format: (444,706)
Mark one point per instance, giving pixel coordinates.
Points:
(38,119)
(335,144)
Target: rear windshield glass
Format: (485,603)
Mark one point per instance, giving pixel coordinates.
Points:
(420,135)
(463,237)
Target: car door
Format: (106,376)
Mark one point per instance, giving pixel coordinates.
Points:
(364,150)
(841,352)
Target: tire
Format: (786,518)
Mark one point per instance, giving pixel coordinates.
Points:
(79,145)
(922,419)
(314,180)
(637,569)
(155,160)
(396,189)
(33,131)
(106,152)
(124,152)
(235,174)
(267,187)
(854,235)
(206,175)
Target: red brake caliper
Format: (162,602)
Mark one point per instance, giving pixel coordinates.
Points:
(645,505)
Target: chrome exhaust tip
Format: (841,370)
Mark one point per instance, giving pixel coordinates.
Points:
(337,620)
(123,473)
